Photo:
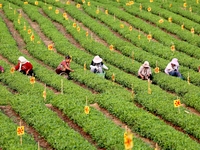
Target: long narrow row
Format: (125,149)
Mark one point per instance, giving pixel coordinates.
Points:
(8,133)
(8,128)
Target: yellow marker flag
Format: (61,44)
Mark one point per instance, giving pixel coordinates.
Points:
(128,140)
(106,12)
(78,29)
(78,6)
(32,37)
(149,88)
(177,103)
(44,94)
(157,69)
(149,37)
(173,48)
(111,47)
(68,2)
(86,108)
(188,78)
(32,80)
(140,6)
(86,34)
(192,30)
(56,11)
(113,77)
(84,67)
(29,31)
(12,70)
(20,130)
(50,47)
(74,25)
(36,2)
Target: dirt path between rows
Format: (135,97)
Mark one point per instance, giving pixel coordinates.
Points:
(7,110)
(74,126)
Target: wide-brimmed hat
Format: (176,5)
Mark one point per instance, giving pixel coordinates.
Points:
(146,64)
(97,59)
(175,62)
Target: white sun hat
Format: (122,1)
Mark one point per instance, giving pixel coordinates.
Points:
(146,64)
(97,59)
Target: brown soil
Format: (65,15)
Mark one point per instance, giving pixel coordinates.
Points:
(74,126)
(169,123)
(123,125)
(30,130)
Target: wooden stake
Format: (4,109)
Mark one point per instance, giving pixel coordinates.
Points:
(61,86)
(86,100)
(45,89)
(126,129)
(132,57)
(132,92)
(38,146)
(20,135)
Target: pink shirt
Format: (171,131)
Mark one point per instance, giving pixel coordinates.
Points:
(62,64)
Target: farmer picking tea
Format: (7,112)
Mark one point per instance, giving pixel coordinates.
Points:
(173,68)
(64,67)
(97,65)
(144,71)
(24,66)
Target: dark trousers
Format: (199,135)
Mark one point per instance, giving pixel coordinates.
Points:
(150,77)
(30,73)
(58,71)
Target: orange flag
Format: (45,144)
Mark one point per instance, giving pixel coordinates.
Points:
(20,130)
(177,103)
(87,110)
(128,140)
(32,80)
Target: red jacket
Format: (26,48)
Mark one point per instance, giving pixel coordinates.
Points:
(25,67)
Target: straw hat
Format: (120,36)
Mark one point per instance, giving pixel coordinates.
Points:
(146,64)
(97,59)
(175,61)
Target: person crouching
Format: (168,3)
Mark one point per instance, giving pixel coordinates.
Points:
(144,71)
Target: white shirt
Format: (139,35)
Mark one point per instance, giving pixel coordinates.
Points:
(169,68)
